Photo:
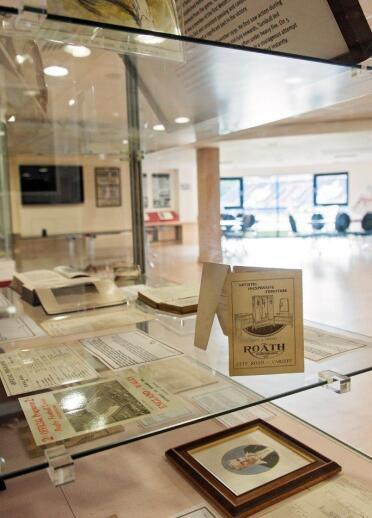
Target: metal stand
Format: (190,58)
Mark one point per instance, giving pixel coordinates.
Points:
(135,162)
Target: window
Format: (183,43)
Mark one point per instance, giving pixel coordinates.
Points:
(161,191)
(231,195)
(296,192)
(331,189)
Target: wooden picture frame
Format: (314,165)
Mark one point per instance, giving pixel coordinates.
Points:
(108,186)
(192,459)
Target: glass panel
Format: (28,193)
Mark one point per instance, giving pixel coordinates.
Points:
(5,217)
(69,120)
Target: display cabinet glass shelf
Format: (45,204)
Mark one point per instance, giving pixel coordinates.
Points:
(106,115)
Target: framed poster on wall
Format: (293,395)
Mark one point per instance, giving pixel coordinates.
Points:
(108,186)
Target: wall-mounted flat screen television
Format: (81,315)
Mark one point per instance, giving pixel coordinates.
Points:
(51,184)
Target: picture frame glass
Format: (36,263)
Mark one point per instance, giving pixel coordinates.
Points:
(250,459)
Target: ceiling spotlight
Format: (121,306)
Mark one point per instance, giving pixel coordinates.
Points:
(71,102)
(181,120)
(56,71)
(31,93)
(12,118)
(158,127)
(125,141)
(78,51)
(20,59)
(147,39)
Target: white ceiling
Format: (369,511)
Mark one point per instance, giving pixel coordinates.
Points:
(302,150)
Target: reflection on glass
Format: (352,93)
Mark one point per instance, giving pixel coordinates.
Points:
(144,192)
(161,190)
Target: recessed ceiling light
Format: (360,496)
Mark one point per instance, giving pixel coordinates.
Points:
(149,40)
(125,141)
(116,114)
(31,93)
(158,127)
(20,59)
(56,71)
(78,51)
(12,118)
(181,120)
(71,102)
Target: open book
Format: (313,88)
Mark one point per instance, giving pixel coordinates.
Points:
(26,283)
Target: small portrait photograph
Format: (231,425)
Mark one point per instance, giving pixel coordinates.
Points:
(249,467)
(250,460)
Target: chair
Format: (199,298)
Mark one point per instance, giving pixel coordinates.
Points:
(248,221)
(367,222)
(342,222)
(293,224)
(317,221)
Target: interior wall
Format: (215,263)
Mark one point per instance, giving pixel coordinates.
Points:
(360,178)
(29,220)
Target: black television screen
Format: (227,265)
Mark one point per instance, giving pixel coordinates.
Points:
(51,184)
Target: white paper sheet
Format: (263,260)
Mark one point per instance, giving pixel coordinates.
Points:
(245,415)
(19,328)
(342,497)
(222,399)
(34,369)
(4,302)
(87,324)
(127,349)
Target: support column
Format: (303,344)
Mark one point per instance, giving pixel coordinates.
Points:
(135,162)
(208,162)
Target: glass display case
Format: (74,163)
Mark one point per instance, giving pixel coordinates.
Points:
(86,108)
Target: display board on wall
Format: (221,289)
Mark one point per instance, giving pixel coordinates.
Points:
(326,29)
(108,186)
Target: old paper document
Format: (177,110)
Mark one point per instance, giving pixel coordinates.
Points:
(39,368)
(178,374)
(321,344)
(128,349)
(340,498)
(19,328)
(62,414)
(266,322)
(98,322)
(212,283)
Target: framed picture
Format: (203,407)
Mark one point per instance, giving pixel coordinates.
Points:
(108,186)
(250,467)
